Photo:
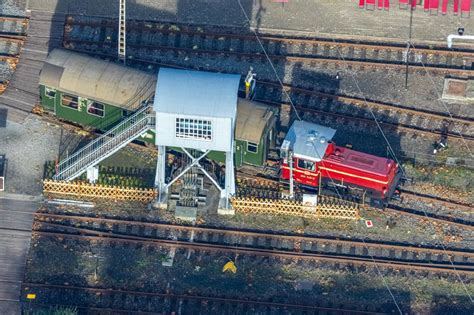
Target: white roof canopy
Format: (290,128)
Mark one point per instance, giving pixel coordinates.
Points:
(196,93)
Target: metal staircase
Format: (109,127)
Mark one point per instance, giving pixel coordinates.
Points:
(107,144)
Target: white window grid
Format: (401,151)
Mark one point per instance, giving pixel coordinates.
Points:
(70,101)
(50,92)
(189,128)
(96,109)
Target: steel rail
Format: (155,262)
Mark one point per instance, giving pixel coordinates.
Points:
(461,223)
(448,202)
(26,286)
(88,234)
(396,126)
(20,39)
(458,222)
(360,102)
(376,47)
(403,127)
(253,233)
(295,59)
(6,17)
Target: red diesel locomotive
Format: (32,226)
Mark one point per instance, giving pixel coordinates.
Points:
(316,162)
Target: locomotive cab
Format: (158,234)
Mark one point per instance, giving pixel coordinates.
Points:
(303,148)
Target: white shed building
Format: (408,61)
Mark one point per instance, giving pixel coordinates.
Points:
(196,110)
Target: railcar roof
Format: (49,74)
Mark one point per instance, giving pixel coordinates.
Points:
(252,119)
(309,141)
(196,93)
(97,79)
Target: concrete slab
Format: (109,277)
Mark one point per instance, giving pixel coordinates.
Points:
(15,235)
(186,213)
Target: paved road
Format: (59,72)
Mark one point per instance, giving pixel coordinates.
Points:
(16,217)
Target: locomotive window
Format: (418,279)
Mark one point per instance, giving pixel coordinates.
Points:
(70,101)
(252,147)
(96,109)
(188,128)
(307,165)
(49,92)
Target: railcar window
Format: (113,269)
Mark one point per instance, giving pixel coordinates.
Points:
(49,92)
(189,128)
(307,165)
(70,101)
(96,109)
(252,147)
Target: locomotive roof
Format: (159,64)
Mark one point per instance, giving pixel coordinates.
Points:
(97,79)
(372,164)
(197,93)
(309,141)
(252,119)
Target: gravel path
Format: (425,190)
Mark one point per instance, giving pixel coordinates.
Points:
(12,7)
(27,147)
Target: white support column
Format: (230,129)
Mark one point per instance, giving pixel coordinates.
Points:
(229,188)
(92,174)
(160,176)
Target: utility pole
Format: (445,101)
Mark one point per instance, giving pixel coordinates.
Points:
(409,43)
(122,33)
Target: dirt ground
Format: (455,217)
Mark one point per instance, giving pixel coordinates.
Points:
(97,264)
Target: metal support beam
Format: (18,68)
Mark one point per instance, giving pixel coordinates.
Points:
(122,35)
(193,163)
(203,170)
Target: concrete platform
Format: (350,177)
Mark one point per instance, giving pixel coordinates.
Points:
(15,234)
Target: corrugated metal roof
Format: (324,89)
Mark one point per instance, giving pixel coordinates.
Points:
(309,141)
(252,118)
(196,93)
(96,79)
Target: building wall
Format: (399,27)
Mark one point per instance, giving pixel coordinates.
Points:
(80,116)
(221,132)
(246,157)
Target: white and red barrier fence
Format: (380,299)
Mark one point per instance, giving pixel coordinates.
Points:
(432,6)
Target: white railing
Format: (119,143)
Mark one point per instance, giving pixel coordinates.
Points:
(107,144)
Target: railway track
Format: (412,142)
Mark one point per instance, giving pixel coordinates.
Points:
(169,303)
(12,37)
(297,247)
(268,187)
(392,116)
(159,36)
(99,34)
(448,202)
(324,105)
(13,27)
(399,118)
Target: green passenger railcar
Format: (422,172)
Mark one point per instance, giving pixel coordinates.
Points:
(91,92)
(98,94)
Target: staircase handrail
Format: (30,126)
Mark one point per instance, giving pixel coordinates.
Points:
(85,160)
(109,136)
